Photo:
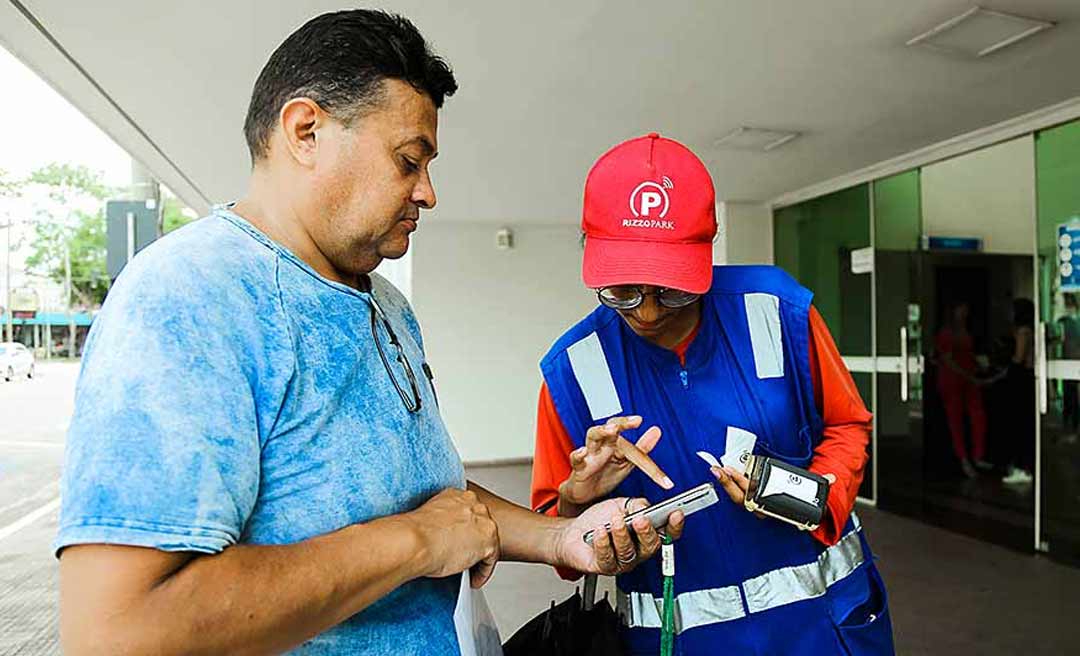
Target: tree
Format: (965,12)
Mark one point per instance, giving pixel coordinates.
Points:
(69,182)
(72,221)
(85,241)
(8,186)
(71,218)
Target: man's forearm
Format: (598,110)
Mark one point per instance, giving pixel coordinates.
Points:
(259,599)
(524,536)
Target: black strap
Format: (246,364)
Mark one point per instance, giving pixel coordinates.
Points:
(547,505)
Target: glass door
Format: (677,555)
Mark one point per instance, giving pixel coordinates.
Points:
(899,348)
(1057,456)
(953,292)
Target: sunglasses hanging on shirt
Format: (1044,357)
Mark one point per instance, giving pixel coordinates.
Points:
(408,391)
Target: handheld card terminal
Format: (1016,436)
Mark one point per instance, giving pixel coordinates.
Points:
(786,492)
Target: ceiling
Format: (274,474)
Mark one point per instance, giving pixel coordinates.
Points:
(547,87)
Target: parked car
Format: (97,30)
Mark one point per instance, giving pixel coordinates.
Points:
(15,360)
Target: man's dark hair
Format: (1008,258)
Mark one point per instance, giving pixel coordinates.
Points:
(340,61)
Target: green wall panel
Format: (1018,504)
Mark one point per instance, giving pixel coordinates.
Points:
(813,242)
(897,212)
(1057,175)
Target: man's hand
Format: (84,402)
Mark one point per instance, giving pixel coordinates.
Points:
(605,461)
(611,552)
(457,533)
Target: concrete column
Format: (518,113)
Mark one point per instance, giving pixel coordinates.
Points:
(747,232)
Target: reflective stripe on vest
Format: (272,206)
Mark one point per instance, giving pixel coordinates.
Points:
(779,587)
(594,377)
(766,340)
(697,608)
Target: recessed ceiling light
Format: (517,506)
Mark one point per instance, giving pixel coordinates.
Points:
(978,32)
(758,139)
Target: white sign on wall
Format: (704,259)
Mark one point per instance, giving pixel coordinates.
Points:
(862,260)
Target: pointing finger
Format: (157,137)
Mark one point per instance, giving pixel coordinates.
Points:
(643,462)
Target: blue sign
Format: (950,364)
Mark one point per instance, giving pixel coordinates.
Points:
(1069,255)
(931,243)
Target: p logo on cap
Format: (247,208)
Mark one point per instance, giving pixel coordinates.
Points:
(647,197)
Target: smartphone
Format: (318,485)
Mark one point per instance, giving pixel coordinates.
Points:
(688,502)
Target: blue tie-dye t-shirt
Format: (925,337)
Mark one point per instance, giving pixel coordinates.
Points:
(229,394)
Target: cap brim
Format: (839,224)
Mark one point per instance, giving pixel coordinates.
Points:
(626,262)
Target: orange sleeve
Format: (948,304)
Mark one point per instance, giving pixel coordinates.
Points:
(551,462)
(551,458)
(847,431)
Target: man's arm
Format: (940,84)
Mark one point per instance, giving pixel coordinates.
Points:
(266,599)
(524,536)
(261,599)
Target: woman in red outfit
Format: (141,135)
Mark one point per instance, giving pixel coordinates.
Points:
(961,390)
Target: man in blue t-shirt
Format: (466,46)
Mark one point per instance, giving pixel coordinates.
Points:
(257,462)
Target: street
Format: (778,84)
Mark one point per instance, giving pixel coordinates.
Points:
(34,416)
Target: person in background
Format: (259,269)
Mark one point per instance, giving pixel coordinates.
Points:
(960,389)
(1020,382)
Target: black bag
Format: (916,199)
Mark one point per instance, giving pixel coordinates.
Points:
(576,627)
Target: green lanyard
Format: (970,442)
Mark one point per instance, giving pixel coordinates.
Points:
(667,631)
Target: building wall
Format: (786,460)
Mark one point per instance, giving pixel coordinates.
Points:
(488,316)
(746,233)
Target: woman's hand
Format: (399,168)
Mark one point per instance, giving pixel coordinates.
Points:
(605,461)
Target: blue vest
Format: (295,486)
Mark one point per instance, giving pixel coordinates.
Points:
(743,585)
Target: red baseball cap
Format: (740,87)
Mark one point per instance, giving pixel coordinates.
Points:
(649,217)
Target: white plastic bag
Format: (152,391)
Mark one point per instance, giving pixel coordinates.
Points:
(477,633)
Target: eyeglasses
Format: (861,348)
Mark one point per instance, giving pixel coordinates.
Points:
(411,396)
(628,297)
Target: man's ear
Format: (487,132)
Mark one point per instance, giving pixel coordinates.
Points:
(298,123)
